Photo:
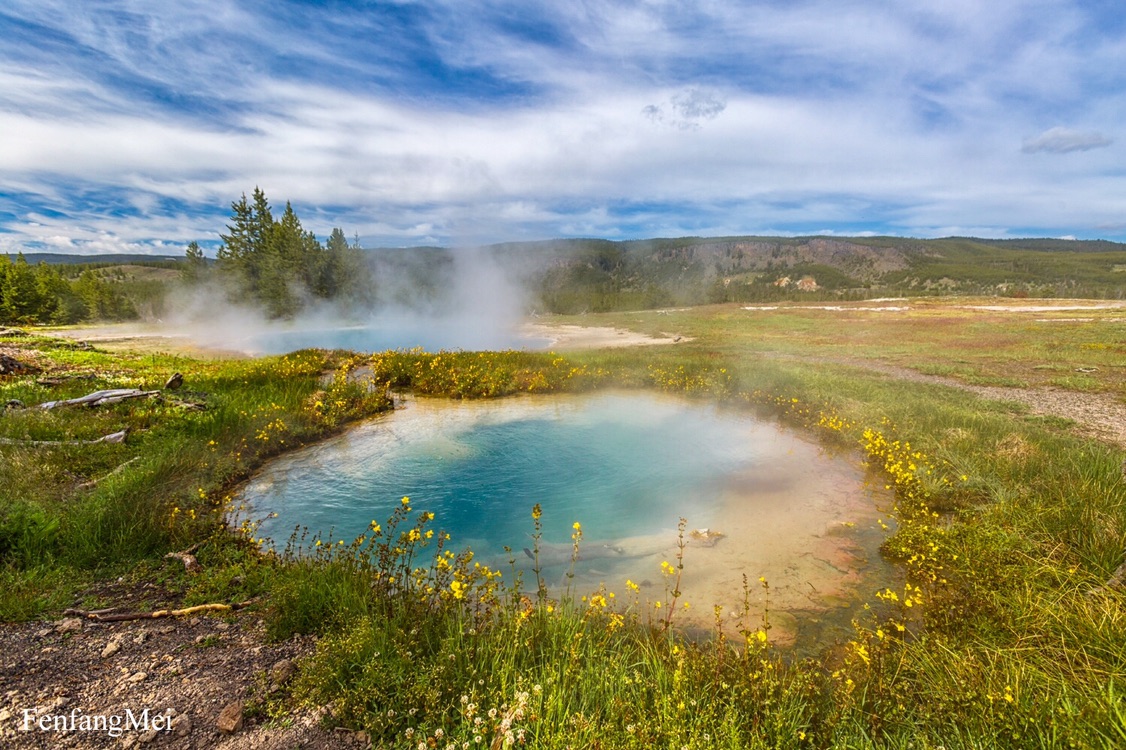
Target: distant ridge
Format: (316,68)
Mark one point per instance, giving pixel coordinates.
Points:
(99,258)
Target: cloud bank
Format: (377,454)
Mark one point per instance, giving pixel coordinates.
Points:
(131,126)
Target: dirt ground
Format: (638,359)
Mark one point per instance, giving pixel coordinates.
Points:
(186,668)
(569,337)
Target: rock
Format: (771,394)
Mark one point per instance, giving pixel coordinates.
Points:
(5,714)
(148,736)
(705,537)
(69,625)
(111,648)
(182,725)
(174,382)
(283,671)
(230,718)
(138,677)
(14,403)
(12,366)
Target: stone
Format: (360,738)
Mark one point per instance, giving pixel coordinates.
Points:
(182,725)
(138,677)
(111,648)
(230,718)
(283,671)
(148,736)
(69,625)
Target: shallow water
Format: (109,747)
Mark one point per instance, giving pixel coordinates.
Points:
(626,466)
(387,333)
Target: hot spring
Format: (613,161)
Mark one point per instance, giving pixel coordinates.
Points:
(386,332)
(760,500)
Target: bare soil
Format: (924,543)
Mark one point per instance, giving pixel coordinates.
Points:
(187,668)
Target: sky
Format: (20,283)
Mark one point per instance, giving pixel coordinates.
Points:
(131,125)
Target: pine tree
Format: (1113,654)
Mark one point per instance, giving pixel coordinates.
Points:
(194,269)
(21,299)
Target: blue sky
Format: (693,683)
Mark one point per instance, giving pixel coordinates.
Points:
(130,125)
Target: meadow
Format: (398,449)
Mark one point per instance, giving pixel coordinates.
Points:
(1008,526)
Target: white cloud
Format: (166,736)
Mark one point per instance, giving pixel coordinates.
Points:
(686,110)
(1065,140)
(771,115)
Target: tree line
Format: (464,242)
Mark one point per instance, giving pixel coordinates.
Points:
(280,265)
(42,295)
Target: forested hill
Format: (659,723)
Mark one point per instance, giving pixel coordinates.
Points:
(577,275)
(114,259)
(572,276)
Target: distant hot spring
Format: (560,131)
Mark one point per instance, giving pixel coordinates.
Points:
(390,332)
(760,500)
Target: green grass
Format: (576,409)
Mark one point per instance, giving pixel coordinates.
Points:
(1006,526)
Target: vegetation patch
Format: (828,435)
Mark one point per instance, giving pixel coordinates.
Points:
(1003,633)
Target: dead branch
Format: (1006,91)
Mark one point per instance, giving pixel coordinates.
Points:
(60,379)
(191,565)
(113,437)
(161,613)
(101,398)
(94,482)
(189,405)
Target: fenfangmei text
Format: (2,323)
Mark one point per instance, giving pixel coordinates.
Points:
(112,724)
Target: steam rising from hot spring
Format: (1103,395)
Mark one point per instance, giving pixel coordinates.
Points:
(459,299)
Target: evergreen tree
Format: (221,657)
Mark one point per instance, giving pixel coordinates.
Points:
(20,299)
(281,265)
(194,270)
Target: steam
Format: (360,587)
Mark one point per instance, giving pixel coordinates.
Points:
(428,297)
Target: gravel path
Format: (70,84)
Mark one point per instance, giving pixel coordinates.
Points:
(1098,415)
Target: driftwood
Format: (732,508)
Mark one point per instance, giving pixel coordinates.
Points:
(99,615)
(94,482)
(191,565)
(101,398)
(113,437)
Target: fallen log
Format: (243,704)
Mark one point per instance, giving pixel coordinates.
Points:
(101,398)
(113,437)
(160,613)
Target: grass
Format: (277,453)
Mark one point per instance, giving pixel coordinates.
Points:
(1006,527)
